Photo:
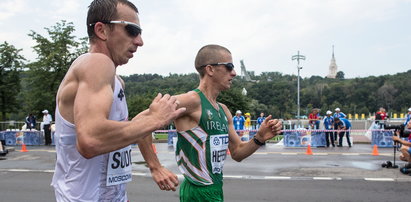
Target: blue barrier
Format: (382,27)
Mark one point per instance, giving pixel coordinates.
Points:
(304,138)
(12,138)
(171,134)
(382,138)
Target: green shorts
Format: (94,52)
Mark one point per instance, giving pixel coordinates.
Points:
(190,192)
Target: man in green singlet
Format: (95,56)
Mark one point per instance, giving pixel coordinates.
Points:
(206,131)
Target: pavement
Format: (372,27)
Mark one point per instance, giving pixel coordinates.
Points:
(272,173)
(361,139)
(272,161)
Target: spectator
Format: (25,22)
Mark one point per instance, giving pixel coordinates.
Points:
(344,126)
(314,118)
(47,119)
(381,114)
(406,144)
(380,117)
(238,121)
(407,117)
(260,120)
(247,121)
(30,122)
(329,125)
(337,114)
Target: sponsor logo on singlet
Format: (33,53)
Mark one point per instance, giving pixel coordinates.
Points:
(218,151)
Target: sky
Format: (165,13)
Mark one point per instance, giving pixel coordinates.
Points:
(370,37)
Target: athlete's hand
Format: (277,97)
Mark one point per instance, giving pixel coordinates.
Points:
(164,109)
(269,128)
(165,179)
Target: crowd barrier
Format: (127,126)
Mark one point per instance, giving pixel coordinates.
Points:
(292,138)
(382,138)
(13,138)
(305,137)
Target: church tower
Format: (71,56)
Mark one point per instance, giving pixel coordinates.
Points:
(332,71)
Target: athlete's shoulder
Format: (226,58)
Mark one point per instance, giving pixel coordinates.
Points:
(190,100)
(223,106)
(93,62)
(190,96)
(91,66)
(227,111)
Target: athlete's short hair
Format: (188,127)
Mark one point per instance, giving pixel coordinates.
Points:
(209,54)
(104,11)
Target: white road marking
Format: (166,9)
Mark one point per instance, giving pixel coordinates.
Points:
(380,179)
(277,178)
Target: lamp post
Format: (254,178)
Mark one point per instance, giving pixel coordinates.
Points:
(298,57)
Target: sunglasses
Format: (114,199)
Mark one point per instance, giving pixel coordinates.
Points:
(229,66)
(132,29)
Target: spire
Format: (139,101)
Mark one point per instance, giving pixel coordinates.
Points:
(332,70)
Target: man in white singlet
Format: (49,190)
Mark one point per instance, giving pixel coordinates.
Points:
(93,133)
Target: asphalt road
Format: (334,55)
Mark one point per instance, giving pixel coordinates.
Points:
(273,173)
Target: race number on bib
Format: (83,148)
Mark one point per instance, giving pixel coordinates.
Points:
(218,151)
(119,167)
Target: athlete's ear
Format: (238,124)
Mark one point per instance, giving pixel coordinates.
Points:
(100,30)
(209,70)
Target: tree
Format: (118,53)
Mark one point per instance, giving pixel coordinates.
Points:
(55,55)
(11,63)
(386,95)
(234,100)
(340,75)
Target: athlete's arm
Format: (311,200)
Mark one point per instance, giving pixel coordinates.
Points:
(96,134)
(165,179)
(191,117)
(240,150)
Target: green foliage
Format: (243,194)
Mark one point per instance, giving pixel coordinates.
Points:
(234,100)
(340,75)
(276,94)
(141,89)
(11,63)
(271,92)
(55,54)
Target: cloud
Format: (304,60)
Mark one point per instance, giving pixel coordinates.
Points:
(265,33)
(10,8)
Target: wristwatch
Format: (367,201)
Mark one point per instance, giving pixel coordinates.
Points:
(257,142)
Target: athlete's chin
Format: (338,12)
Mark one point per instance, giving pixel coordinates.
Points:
(227,87)
(124,61)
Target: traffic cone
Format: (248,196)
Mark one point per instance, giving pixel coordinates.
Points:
(23,148)
(309,151)
(228,152)
(154,148)
(375,151)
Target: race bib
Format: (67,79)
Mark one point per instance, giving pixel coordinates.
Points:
(218,152)
(119,167)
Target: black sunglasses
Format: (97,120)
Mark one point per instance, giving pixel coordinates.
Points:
(132,28)
(229,66)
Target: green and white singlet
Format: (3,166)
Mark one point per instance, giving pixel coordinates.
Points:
(201,151)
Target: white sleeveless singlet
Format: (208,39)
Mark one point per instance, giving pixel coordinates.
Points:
(101,178)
